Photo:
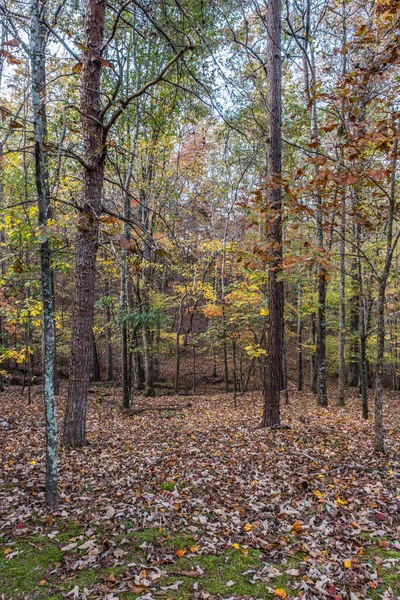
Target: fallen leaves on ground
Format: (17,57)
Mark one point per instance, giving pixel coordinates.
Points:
(314,491)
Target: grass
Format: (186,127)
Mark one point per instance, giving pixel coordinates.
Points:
(38,573)
(32,573)
(388,575)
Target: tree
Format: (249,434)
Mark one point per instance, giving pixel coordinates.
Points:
(95,132)
(273,371)
(38,39)
(88,223)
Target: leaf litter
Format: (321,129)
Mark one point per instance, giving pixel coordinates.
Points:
(313,492)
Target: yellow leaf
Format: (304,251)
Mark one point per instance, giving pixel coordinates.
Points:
(347,564)
(340,501)
(317,493)
(43,582)
(281,593)
(247,527)
(194,549)
(244,551)
(77,68)
(180,553)
(297,526)
(236,546)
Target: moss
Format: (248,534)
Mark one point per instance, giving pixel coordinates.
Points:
(20,577)
(23,573)
(388,575)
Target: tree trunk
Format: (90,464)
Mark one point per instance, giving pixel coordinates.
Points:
(96,361)
(353,370)
(126,388)
(38,74)
(363,365)
(88,225)
(109,335)
(342,306)
(148,362)
(285,373)
(178,349)
(299,342)
(273,371)
(379,445)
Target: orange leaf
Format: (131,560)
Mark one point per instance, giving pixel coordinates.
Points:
(281,593)
(180,553)
(105,62)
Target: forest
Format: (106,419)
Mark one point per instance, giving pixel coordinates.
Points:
(199,299)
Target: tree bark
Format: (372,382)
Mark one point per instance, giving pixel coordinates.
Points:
(273,371)
(38,74)
(299,342)
(391,243)
(88,225)
(96,361)
(110,374)
(342,306)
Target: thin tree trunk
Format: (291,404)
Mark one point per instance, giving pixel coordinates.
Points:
(88,225)
(273,371)
(342,306)
(194,370)
(38,74)
(178,350)
(108,334)
(96,361)
(313,362)
(299,342)
(363,366)
(379,444)
(353,370)
(285,373)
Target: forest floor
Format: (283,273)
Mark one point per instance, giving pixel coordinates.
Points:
(202,503)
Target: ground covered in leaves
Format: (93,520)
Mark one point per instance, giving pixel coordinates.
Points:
(202,504)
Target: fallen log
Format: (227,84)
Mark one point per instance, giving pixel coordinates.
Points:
(142,409)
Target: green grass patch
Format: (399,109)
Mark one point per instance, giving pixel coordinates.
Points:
(38,571)
(388,574)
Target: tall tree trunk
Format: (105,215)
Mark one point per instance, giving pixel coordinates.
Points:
(178,349)
(88,225)
(379,444)
(363,365)
(313,362)
(299,342)
(96,361)
(391,243)
(107,314)
(126,387)
(273,371)
(342,285)
(38,74)
(353,369)
(342,306)
(320,355)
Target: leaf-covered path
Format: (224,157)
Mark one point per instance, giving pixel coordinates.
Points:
(204,501)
